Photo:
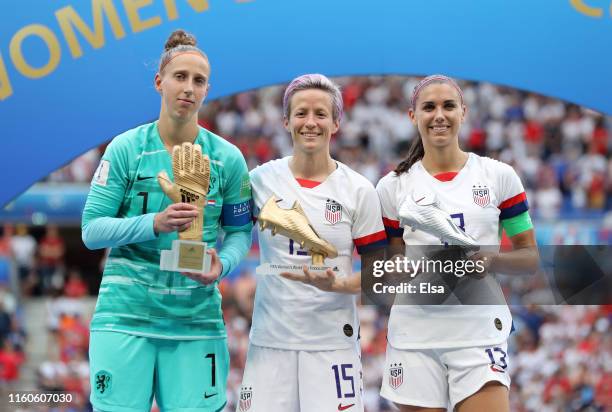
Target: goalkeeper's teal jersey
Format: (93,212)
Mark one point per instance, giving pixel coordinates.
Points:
(135,295)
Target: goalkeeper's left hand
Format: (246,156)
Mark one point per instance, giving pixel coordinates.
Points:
(216,267)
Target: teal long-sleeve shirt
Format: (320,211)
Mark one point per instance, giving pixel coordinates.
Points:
(135,296)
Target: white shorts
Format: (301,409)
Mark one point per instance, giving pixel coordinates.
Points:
(441,378)
(301,381)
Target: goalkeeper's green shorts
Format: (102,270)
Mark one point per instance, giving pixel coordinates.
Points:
(126,371)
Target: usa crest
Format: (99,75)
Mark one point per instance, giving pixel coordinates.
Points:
(246,395)
(333,211)
(396,375)
(481,195)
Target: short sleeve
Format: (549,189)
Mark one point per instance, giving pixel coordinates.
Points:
(513,199)
(387,194)
(367,230)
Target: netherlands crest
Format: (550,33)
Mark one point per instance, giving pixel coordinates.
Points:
(103,381)
(246,395)
(480,193)
(396,375)
(333,211)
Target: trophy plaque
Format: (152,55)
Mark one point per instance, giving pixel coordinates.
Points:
(294,224)
(191,172)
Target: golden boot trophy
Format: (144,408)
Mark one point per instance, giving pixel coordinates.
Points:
(293,223)
(191,172)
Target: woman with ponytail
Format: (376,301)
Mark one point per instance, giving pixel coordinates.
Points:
(449,356)
(160,333)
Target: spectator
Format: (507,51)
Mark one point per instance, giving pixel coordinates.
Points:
(73,336)
(51,250)
(23,247)
(548,198)
(51,373)
(6,320)
(10,362)
(75,287)
(6,249)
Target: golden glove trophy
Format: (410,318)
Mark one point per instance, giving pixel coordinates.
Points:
(191,172)
(293,224)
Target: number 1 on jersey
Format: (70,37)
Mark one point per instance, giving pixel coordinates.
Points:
(212,368)
(145,198)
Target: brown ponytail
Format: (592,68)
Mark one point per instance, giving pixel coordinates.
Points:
(415,153)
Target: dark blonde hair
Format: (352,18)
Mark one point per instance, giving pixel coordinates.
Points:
(179,42)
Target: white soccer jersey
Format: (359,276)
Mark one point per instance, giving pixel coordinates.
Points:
(484,192)
(293,315)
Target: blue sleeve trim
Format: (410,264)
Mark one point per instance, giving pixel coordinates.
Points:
(372,246)
(392,232)
(515,210)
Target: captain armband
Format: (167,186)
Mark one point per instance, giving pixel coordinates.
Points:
(517,224)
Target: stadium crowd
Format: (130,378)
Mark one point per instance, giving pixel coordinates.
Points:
(561,355)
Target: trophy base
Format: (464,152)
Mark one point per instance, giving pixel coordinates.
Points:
(277,269)
(185,256)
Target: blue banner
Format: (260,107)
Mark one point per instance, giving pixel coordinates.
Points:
(73,74)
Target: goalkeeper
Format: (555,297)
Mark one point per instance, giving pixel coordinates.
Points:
(159,333)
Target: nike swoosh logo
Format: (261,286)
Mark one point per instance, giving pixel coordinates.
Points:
(143,177)
(206,396)
(343,408)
